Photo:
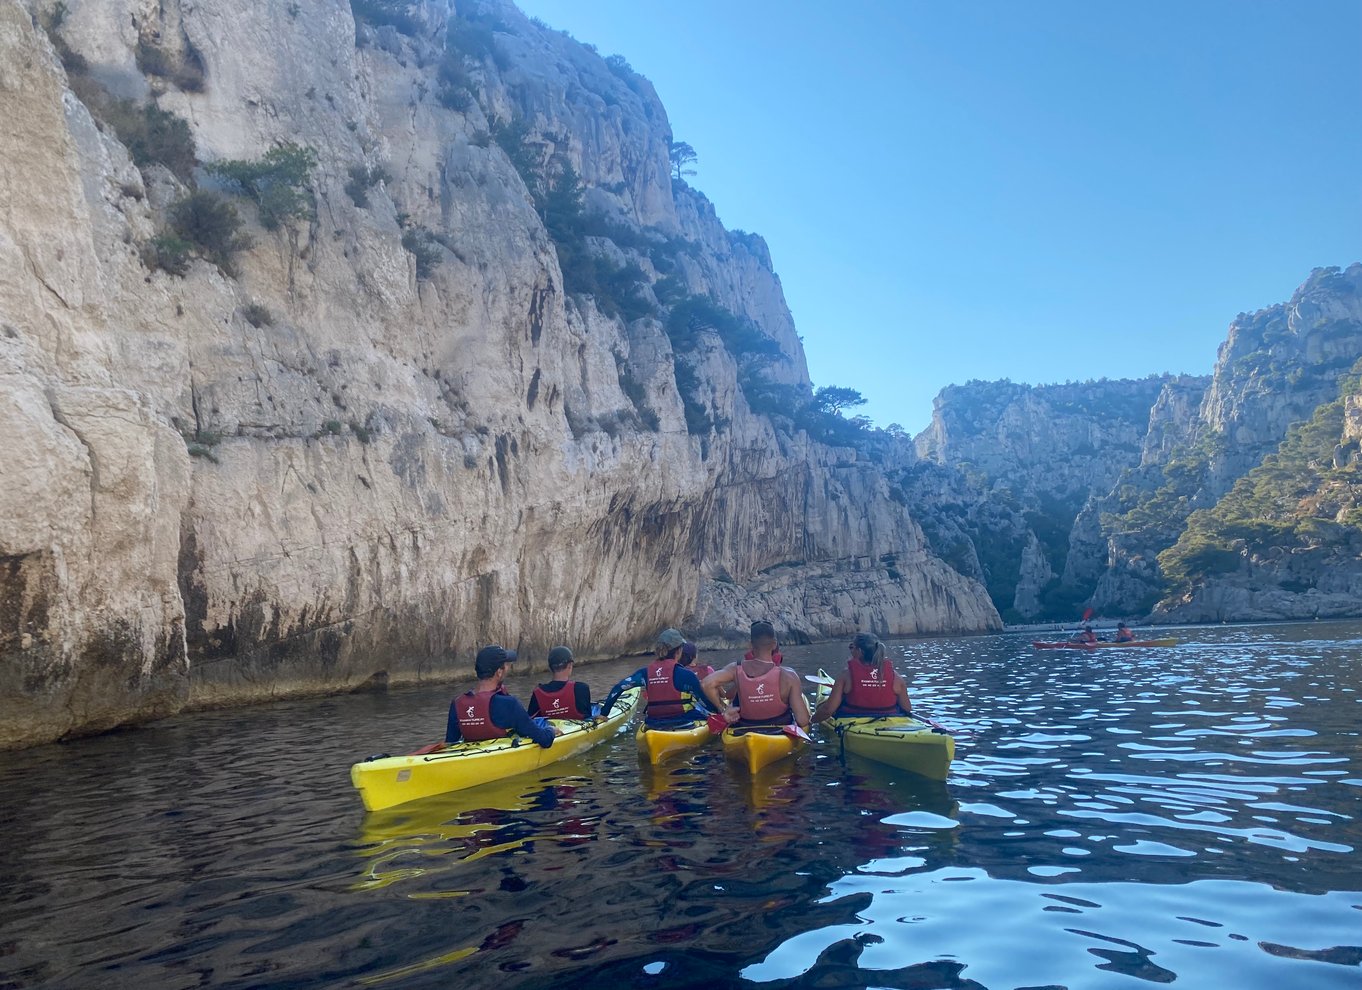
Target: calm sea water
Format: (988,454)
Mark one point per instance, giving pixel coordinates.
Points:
(1112,820)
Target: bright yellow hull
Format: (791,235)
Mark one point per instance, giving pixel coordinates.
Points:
(396,780)
(658,744)
(756,749)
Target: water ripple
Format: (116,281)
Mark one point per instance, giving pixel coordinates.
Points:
(1186,815)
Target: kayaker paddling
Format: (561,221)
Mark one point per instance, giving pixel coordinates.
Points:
(767,693)
(1086,636)
(488,712)
(1124,634)
(672,693)
(562,697)
(869,686)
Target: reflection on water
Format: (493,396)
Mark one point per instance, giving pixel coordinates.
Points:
(1111,819)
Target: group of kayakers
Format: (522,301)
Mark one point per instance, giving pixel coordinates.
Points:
(1124,634)
(757,691)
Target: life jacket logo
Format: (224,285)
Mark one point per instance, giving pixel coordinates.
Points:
(558,706)
(468,713)
(875,675)
(761,689)
(658,672)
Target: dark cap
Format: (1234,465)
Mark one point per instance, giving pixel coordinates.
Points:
(491,659)
(670,638)
(1121,625)
(559,657)
(687,653)
(761,629)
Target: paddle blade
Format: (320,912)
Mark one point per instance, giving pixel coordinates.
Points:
(819,678)
(717,724)
(797,732)
(1087,614)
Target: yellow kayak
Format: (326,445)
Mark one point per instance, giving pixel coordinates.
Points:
(757,748)
(896,740)
(393,780)
(658,744)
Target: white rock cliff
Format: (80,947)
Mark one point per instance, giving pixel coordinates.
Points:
(388,470)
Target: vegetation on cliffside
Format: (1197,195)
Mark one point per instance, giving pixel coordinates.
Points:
(1306,495)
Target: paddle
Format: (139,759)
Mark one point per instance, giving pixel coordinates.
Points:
(796,732)
(1087,614)
(717,723)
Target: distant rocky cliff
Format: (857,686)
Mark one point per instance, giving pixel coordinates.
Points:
(1008,469)
(332,345)
(1062,498)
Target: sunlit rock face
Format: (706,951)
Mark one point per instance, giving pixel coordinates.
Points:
(1061,498)
(223,487)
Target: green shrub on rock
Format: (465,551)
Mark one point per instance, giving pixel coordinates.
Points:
(279,182)
(424,248)
(212,225)
(362,179)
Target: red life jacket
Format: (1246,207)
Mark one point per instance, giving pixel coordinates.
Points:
(759,697)
(872,688)
(475,716)
(559,704)
(664,700)
(776,658)
(702,671)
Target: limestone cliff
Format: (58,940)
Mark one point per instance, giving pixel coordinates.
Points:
(1058,505)
(1007,472)
(488,374)
(1275,369)
(1286,541)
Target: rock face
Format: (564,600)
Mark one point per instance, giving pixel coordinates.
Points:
(1063,497)
(341,459)
(1275,369)
(1006,473)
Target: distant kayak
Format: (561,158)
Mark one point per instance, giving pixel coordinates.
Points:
(760,747)
(1102,645)
(658,744)
(392,780)
(896,740)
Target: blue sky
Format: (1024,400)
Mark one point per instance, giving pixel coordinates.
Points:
(1041,190)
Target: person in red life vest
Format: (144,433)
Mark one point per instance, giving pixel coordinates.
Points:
(488,712)
(561,697)
(869,686)
(1124,634)
(688,655)
(1086,636)
(671,691)
(767,693)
